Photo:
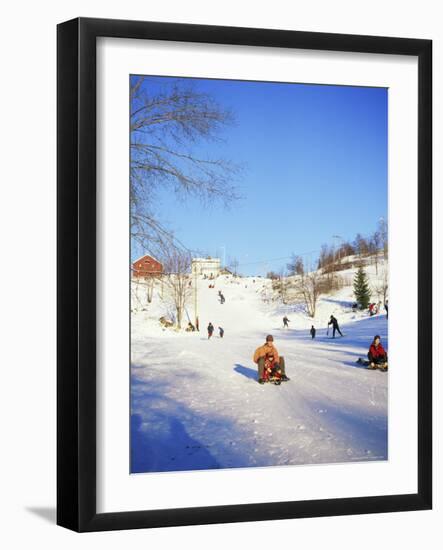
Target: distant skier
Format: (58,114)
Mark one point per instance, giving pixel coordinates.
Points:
(333,321)
(268,353)
(312,331)
(286,322)
(210,330)
(221,332)
(386,308)
(377,355)
(222,298)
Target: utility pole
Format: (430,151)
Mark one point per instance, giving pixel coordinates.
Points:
(195,300)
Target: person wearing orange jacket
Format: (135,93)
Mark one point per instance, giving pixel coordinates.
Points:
(269,352)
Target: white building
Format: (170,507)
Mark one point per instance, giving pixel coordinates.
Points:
(206,266)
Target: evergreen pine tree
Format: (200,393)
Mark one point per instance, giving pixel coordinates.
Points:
(361,288)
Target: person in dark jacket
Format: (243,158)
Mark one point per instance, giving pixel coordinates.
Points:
(333,321)
(386,308)
(285,322)
(221,332)
(377,355)
(210,330)
(312,331)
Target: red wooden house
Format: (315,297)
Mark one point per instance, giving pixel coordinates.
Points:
(146,266)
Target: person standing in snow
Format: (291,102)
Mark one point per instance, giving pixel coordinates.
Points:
(286,322)
(210,330)
(267,351)
(222,298)
(333,321)
(221,332)
(312,331)
(386,308)
(377,355)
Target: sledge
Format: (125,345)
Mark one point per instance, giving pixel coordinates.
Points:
(381,366)
(271,379)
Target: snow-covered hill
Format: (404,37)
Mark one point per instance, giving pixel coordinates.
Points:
(196,403)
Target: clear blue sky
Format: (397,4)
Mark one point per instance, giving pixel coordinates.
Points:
(315,165)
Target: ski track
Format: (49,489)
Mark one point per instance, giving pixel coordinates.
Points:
(196,404)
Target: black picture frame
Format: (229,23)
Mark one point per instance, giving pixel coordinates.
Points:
(76,294)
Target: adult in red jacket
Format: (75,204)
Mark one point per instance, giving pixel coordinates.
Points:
(377,355)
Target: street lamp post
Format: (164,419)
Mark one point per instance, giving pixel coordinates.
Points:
(195,301)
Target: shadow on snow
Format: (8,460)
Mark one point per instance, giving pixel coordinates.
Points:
(246,371)
(164,432)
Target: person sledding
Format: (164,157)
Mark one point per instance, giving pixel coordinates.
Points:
(269,362)
(333,321)
(210,330)
(377,356)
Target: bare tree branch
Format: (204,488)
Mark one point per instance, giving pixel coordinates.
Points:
(166,123)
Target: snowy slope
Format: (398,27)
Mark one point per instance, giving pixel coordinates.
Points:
(196,403)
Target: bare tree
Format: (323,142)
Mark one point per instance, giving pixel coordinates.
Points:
(233,266)
(308,289)
(326,256)
(346,249)
(176,280)
(295,265)
(382,228)
(375,244)
(382,285)
(166,123)
(361,246)
(282,286)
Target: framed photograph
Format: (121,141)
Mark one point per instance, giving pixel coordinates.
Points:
(244,274)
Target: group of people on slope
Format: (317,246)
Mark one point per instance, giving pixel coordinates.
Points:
(373,308)
(272,365)
(313,331)
(211,329)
